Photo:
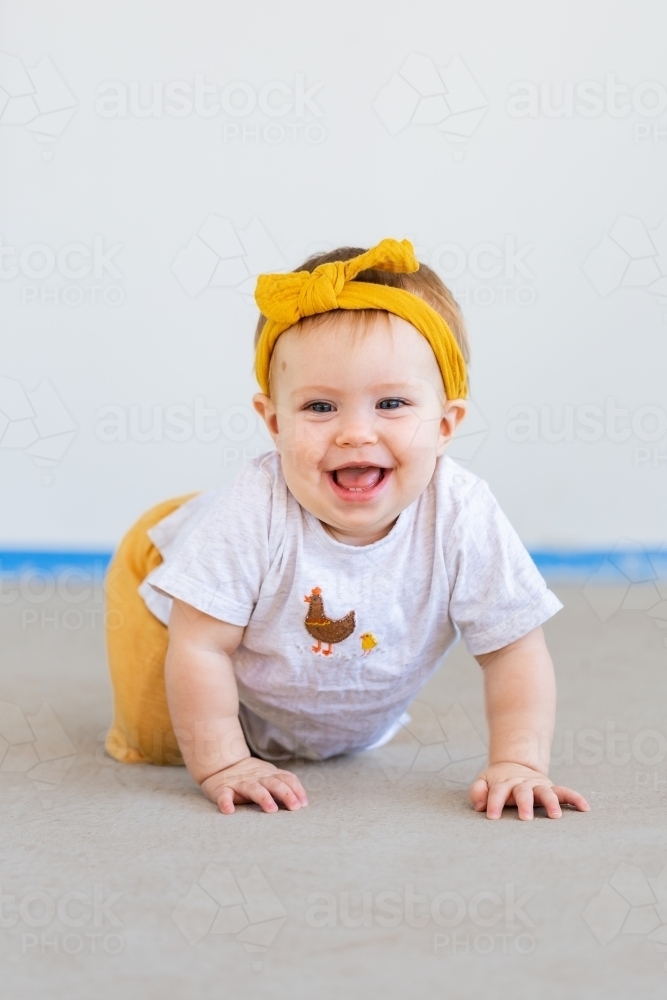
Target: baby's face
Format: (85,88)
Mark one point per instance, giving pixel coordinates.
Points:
(358,421)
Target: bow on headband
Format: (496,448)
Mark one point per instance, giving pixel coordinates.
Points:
(286,298)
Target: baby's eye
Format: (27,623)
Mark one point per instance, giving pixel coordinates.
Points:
(392,404)
(311,406)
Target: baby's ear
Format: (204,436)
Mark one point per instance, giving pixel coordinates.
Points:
(454,412)
(264,405)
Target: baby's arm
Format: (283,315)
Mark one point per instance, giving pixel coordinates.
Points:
(204,706)
(520,695)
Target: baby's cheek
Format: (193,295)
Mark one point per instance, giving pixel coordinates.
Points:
(304,446)
(419,436)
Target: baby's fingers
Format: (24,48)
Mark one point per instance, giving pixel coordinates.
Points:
(282,792)
(523,797)
(545,795)
(498,795)
(226,799)
(253,791)
(572,798)
(291,779)
(478,794)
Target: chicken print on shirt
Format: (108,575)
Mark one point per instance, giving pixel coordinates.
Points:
(323,629)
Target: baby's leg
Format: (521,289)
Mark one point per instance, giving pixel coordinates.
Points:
(141,731)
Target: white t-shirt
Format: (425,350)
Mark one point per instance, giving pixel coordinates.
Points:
(335,673)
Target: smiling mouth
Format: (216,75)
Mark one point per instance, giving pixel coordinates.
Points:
(358,479)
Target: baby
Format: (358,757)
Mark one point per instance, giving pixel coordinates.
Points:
(309,604)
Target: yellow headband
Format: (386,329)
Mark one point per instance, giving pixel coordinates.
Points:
(286,298)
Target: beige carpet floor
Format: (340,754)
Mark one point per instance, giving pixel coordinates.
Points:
(123,882)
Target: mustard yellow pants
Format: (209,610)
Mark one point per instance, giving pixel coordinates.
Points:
(141,731)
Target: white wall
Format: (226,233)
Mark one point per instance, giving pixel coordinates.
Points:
(340,166)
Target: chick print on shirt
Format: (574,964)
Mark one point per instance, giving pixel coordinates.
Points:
(368,643)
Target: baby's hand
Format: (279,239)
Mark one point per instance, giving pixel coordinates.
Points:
(507,783)
(254,780)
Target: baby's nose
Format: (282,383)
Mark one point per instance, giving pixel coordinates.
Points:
(356,430)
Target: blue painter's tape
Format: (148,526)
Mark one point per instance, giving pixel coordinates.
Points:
(15,562)
(619,565)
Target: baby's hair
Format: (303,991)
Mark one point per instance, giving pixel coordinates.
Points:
(425,283)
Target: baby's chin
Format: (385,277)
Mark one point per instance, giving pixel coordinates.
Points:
(352,522)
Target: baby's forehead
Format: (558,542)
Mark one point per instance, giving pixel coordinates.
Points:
(369,331)
(361,323)
(377,352)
